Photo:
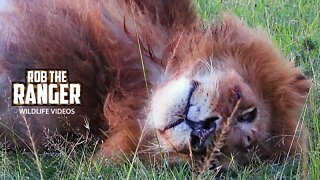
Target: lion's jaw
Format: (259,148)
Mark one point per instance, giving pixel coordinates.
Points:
(200,95)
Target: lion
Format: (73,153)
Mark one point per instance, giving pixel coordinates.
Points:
(155,79)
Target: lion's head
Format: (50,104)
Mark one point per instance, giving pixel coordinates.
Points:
(209,72)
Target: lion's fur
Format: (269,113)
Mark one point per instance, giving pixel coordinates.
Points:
(106,45)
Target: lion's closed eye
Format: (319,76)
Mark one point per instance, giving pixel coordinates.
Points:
(248,115)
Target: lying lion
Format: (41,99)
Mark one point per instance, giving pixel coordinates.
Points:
(154,79)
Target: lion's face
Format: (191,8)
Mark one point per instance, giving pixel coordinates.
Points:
(189,108)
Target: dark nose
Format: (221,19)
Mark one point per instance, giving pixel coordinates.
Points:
(201,131)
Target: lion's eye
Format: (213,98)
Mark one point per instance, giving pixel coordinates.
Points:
(248,115)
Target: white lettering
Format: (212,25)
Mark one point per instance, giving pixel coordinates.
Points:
(18,94)
(75,93)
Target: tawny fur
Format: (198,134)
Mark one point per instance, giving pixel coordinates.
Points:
(106,45)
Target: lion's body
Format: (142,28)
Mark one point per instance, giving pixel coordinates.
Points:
(132,58)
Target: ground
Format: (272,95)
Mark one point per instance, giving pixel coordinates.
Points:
(294,26)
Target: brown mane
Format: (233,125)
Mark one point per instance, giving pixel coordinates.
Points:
(98,43)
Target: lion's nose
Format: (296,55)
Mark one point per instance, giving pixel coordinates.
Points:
(201,131)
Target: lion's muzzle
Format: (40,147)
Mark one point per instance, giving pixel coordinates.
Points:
(201,131)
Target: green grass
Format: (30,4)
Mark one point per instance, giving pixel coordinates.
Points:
(294,26)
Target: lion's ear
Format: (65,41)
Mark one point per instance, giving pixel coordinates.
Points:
(285,93)
(290,93)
